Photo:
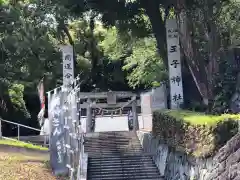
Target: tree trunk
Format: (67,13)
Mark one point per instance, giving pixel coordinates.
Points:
(158,26)
(196,66)
(94,54)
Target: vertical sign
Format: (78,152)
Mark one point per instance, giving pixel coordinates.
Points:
(57,142)
(174,64)
(68,64)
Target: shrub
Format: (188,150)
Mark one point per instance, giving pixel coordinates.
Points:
(195,133)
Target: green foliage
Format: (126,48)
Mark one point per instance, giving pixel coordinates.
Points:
(27,43)
(128,50)
(113,45)
(228,23)
(16,96)
(226,78)
(144,64)
(195,133)
(140,56)
(225,85)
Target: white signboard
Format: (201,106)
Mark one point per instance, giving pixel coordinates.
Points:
(146,108)
(159,98)
(111,98)
(68,64)
(174,64)
(146,103)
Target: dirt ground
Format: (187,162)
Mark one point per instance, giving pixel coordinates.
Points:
(16,165)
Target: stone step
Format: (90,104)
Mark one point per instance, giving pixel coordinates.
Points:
(112,145)
(117,151)
(125,177)
(123,172)
(117,138)
(114,161)
(112,136)
(118,156)
(120,164)
(119,133)
(105,141)
(125,169)
(121,168)
(112,149)
(137,164)
(122,158)
(129,174)
(133,135)
(113,142)
(112,154)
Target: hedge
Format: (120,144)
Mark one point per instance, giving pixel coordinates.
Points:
(195,133)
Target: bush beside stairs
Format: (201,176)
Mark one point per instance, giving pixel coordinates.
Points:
(118,156)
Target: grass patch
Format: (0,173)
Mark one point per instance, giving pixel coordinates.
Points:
(195,133)
(197,118)
(21,144)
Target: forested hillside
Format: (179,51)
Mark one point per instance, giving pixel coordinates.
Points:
(118,45)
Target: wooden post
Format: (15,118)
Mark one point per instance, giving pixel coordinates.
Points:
(135,115)
(18,132)
(89,116)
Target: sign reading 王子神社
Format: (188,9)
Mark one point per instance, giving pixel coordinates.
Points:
(68,64)
(174,64)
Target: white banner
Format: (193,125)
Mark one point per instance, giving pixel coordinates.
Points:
(68,64)
(174,64)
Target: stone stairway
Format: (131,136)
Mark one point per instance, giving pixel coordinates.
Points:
(118,156)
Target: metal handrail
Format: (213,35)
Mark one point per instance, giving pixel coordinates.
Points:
(18,132)
(21,125)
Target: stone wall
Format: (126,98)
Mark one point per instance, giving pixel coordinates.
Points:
(226,164)
(174,165)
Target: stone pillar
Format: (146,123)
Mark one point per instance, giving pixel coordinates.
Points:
(135,115)
(89,117)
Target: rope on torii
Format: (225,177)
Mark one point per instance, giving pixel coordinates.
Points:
(112,111)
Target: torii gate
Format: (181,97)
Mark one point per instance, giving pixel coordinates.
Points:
(91,101)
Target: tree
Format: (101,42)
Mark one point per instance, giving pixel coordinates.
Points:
(142,62)
(204,40)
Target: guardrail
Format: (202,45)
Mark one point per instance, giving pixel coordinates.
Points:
(18,131)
